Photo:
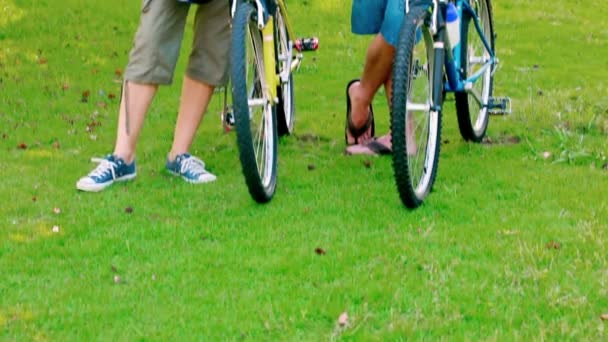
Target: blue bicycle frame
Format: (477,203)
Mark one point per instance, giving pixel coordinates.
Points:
(453,56)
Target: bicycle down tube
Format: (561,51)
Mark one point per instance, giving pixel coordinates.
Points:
(453,60)
(266,25)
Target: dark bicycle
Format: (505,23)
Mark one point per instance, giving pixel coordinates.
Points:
(430,62)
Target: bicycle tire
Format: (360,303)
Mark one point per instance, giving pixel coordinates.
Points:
(286,109)
(413,112)
(473,118)
(255,124)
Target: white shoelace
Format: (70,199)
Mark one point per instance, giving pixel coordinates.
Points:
(103,168)
(194,165)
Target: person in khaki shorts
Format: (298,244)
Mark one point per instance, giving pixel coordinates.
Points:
(152,63)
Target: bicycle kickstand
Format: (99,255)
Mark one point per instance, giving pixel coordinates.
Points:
(226,113)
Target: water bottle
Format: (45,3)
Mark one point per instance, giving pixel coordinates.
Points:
(453,25)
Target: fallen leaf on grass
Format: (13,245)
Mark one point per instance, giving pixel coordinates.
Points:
(55,229)
(92,125)
(22,146)
(117,279)
(85,96)
(57,210)
(604,317)
(343,319)
(367,163)
(553,245)
(320,251)
(311,167)
(129,210)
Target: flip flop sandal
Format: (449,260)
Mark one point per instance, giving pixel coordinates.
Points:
(374,147)
(357,132)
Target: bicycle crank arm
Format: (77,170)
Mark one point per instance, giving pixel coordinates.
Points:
(295,64)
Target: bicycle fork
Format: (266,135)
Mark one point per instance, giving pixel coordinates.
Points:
(438,63)
(272,79)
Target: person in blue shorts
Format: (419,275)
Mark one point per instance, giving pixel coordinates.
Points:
(381,18)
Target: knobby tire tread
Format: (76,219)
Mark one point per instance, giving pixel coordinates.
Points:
(463,111)
(401,168)
(258,191)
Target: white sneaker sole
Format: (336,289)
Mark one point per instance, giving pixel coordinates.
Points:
(85,185)
(208,178)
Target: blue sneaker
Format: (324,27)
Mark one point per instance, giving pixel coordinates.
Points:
(110,169)
(190,168)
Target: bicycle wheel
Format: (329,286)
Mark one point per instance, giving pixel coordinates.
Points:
(254,112)
(415,126)
(472,105)
(285,109)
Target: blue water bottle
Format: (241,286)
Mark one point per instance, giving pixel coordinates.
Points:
(453,25)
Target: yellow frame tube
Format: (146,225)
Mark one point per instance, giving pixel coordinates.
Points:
(272,79)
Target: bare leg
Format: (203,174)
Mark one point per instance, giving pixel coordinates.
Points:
(377,70)
(409,134)
(139,97)
(194,101)
(388,84)
(386,138)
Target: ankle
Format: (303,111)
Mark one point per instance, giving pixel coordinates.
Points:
(360,94)
(127,157)
(360,105)
(171,156)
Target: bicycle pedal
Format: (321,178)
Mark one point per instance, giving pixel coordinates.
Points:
(306,44)
(499,105)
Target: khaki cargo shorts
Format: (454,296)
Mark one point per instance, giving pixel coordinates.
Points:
(158,40)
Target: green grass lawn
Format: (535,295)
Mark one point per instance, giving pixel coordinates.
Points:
(511,244)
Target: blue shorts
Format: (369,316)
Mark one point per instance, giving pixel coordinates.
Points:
(378,16)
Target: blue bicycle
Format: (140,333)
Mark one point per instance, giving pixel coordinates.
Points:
(429,63)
